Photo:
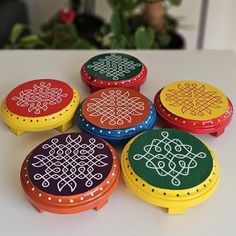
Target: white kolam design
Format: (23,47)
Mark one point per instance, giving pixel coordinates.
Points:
(115,107)
(70,162)
(114,66)
(169,157)
(39,97)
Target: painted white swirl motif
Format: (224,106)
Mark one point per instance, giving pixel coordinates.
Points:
(114,66)
(169,157)
(39,97)
(67,163)
(116,107)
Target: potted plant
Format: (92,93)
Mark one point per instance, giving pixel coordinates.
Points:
(135,24)
(151,27)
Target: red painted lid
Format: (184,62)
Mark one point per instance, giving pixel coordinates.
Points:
(115,108)
(36,98)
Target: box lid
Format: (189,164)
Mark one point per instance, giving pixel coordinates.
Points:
(194,100)
(114,69)
(40,105)
(70,173)
(116,113)
(170,168)
(194,107)
(119,134)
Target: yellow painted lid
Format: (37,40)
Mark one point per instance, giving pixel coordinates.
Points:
(194,100)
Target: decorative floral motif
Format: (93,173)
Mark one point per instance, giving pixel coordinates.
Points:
(116,107)
(39,98)
(70,162)
(169,158)
(114,66)
(193,99)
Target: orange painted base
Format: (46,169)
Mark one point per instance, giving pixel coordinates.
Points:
(62,205)
(96,204)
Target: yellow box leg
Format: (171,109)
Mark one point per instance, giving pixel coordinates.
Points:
(65,126)
(176,210)
(16,131)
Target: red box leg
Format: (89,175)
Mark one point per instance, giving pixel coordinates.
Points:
(218,133)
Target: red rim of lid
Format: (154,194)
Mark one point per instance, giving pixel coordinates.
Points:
(137,80)
(193,125)
(131,108)
(41,97)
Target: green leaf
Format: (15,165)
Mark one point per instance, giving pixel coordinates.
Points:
(170,23)
(175,2)
(118,22)
(118,42)
(155,45)
(31,41)
(64,36)
(125,5)
(30,38)
(83,44)
(144,37)
(16,32)
(105,29)
(8,46)
(164,40)
(130,41)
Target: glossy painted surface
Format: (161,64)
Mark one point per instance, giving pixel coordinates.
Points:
(77,173)
(214,126)
(136,112)
(114,73)
(175,200)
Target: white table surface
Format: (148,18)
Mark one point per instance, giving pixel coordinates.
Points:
(125,214)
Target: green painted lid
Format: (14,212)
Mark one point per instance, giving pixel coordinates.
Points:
(170,159)
(113,66)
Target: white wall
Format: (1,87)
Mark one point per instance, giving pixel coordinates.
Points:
(41,10)
(190,12)
(221,25)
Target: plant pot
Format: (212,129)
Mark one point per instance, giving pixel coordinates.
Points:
(177,41)
(154,13)
(87,26)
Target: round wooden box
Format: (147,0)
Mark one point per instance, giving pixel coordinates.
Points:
(169,168)
(70,173)
(116,114)
(39,105)
(194,107)
(113,70)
